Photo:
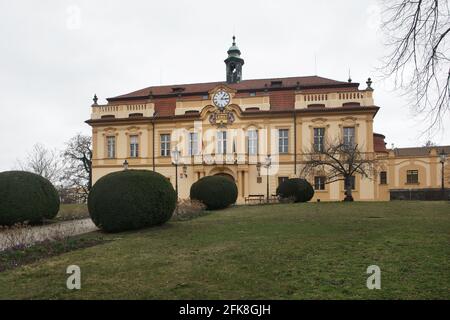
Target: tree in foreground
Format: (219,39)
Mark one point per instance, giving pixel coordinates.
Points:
(339,161)
(215,192)
(77,173)
(26,197)
(418,36)
(131,199)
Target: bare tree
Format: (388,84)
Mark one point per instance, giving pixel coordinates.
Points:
(339,161)
(78,164)
(418,35)
(44,162)
(429,143)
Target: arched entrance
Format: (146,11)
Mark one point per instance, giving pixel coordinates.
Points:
(226,175)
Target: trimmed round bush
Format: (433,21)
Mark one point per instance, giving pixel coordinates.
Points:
(26,197)
(297,189)
(131,199)
(215,192)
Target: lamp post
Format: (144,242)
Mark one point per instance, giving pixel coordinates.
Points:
(125,165)
(442,157)
(176,158)
(267,163)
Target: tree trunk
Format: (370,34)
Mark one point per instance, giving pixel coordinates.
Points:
(348,189)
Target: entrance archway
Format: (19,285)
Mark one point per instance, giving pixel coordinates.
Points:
(226,175)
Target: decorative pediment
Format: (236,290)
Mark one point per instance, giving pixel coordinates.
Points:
(231,91)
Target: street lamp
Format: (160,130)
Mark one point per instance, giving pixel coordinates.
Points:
(176,158)
(267,164)
(125,165)
(442,157)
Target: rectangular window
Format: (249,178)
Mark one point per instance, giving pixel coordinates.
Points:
(282,179)
(111,145)
(283,140)
(252,142)
(319,135)
(193,143)
(412,176)
(352,182)
(221,142)
(319,183)
(165,145)
(134,147)
(349,137)
(383,177)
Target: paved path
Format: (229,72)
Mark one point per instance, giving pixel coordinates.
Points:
(53,231)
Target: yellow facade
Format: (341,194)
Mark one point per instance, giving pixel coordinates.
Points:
(276,116)
(236,162)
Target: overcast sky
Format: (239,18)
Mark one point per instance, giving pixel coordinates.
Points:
(56,54)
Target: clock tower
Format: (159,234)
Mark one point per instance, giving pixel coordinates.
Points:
(234,63)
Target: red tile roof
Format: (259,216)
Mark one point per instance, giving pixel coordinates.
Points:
(307,82)
(379,145)
(419,151)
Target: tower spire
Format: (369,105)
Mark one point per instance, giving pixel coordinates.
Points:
(234,63)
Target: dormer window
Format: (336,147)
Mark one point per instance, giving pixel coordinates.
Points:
(276,83)
(178,89)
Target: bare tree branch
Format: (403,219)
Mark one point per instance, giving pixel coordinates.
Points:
(43,162)
(417,32)
(338,161)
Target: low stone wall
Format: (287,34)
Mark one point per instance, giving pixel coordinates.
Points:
(428,194)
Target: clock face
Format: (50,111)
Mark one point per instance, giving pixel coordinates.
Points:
(221,99)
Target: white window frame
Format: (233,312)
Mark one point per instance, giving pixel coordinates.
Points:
(164,139)
(134,146)
(193,144)
(252,135)
(319,139)
(221,142)
(349,139)
(111,146)
(283,140)
(319,183)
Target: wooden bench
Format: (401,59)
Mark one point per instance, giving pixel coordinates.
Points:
(254,198)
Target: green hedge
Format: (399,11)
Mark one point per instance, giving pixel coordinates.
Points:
(216,192)
(26,197)
(297,189)
(131,199)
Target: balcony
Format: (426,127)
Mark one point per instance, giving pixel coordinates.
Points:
(333,99)
(122,111)
(222,159)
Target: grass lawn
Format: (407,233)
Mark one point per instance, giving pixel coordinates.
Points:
(286,251)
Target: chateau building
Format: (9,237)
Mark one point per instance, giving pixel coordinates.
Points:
(256,132)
